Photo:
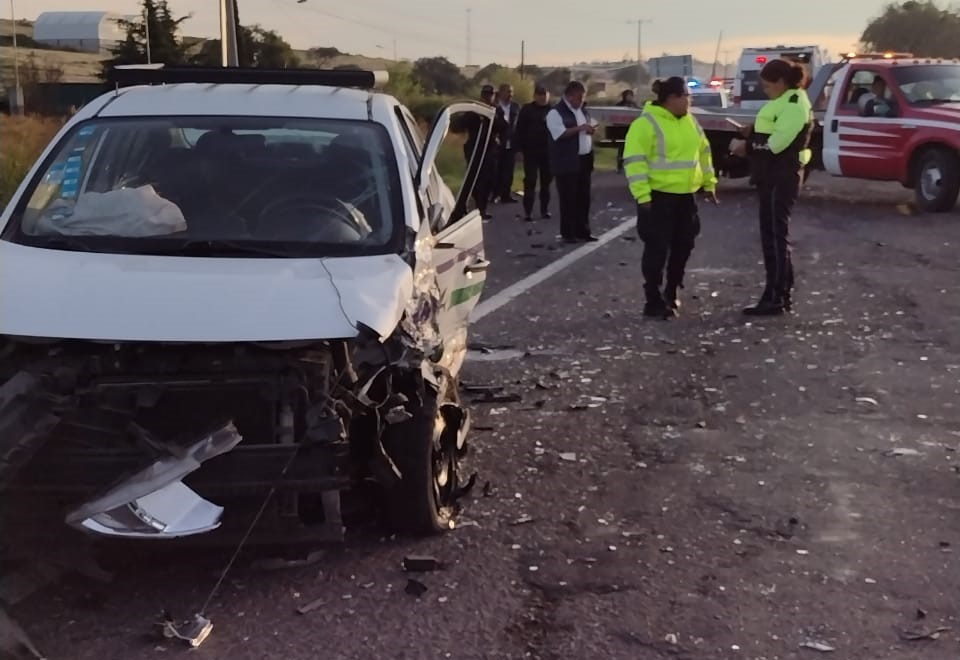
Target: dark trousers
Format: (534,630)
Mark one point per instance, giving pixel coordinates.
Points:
(536,164)
(573,191)
(668,229)
(506,163)
(486,179)
(777,197)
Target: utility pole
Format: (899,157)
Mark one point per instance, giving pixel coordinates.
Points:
(146,31)
(228,34)
(640,22)
(523,45)
(469,35)
(17,90)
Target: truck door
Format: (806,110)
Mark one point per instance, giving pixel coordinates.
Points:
(855,145)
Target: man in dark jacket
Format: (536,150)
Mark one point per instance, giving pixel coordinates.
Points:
(486,179)
(505,125)
(571,161)
(533,141)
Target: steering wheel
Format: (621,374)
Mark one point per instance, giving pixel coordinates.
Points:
(307,216)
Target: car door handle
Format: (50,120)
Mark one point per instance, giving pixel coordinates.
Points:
(478,266)
(834,125)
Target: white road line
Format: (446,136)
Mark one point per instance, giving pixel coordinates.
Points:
(501,298)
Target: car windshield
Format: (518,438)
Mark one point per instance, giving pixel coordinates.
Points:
(929,83)
(217,186)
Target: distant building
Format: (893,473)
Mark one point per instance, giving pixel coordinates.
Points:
(88,31)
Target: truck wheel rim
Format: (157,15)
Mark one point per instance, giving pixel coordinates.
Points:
(930,181)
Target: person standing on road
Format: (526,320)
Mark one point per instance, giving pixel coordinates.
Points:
(487,175)
(668,159)
(533,141)
(626,101)
(508,113)
(571,162)
(778,147)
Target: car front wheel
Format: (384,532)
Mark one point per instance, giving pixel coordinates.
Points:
(424,449)
(937,182)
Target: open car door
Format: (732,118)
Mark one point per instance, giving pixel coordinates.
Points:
(457,233)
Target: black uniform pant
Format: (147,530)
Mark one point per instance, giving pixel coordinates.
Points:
(668,229)
(486,179)
(536,165)
(777,197)
(506,164)
(573,191)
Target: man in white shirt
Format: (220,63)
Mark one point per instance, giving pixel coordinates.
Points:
(571,160)
(507,113)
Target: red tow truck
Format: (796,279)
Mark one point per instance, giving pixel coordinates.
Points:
(911,134)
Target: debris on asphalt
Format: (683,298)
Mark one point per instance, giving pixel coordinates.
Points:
(818,646)
(311,606)
(522,520)
(487,488)
(923,635)
(490,397)
(868,400)
(415,588)
(921,613)
(278,563)
(568,456)
(902,451)
(193,631)
(14,640)
(421,564)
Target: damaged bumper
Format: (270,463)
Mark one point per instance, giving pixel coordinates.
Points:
(155,503)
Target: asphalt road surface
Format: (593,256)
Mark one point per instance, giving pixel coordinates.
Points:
(707,488)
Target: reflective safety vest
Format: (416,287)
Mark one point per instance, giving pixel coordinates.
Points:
(668,154)
(781,133)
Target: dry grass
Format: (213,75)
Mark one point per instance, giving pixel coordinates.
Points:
(22,140)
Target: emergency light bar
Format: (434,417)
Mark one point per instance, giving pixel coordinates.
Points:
(159,74)
(878,56)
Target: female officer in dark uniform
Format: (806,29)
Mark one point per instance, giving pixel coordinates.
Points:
(777,145)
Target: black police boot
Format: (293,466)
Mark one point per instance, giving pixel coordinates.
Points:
(769,304)
(655,306)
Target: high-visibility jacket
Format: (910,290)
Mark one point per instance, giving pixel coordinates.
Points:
(668,154)
(782,130)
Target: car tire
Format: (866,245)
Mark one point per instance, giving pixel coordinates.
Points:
(937,180)
(420,503)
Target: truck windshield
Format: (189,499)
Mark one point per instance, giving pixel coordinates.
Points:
(929,83)
(216,186)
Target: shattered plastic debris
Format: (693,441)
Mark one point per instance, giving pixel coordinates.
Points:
(923,635)
(421,564)
(522,520)
(818,646)
(155,503)
(902,451)
(868,400)
(415,588)
(311,606)
(568,456)
(193,631)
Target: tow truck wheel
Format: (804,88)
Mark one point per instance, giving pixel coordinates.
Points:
(937,181)
(423,501)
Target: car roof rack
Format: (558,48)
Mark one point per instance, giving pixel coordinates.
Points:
(160,74)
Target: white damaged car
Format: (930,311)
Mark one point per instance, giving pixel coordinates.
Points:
(217,284)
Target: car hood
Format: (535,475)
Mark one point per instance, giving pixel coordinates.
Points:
(117,297)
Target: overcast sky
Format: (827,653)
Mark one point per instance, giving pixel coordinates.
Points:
(555,31)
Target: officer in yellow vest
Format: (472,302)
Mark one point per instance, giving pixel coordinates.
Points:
(778,146)
(667,159)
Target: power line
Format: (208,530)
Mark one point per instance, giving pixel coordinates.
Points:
(391,30)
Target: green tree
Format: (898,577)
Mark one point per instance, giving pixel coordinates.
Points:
(322,55)
(531,71)
(486,73)
(522,88)
(403,85)
(165,45)
(556,80)
(438,75)
(256,47)
(921,28)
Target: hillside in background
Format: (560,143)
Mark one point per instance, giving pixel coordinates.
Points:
(84,67)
